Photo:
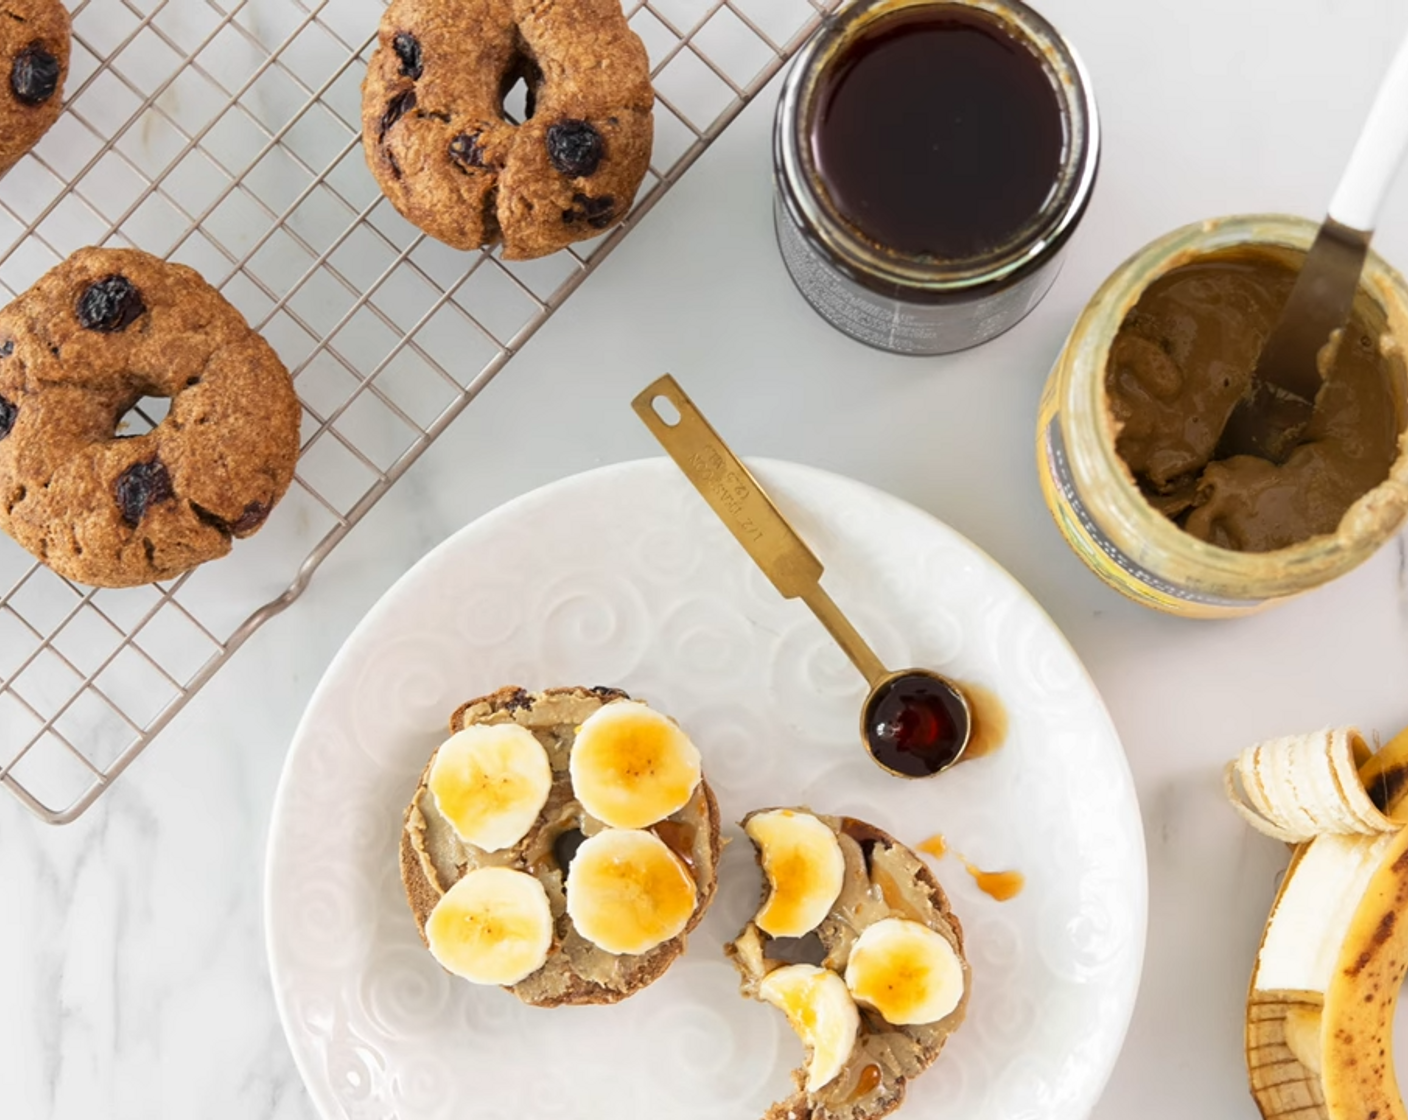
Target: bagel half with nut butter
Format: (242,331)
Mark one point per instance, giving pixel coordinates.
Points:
(561,844)
(855,942)
(444,152)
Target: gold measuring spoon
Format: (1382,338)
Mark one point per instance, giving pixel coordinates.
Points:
(915,723)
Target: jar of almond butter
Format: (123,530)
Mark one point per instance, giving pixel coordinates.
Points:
(1131,414)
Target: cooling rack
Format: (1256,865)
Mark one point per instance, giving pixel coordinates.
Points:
(226,136)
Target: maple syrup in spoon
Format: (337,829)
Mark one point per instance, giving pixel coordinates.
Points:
(915,723)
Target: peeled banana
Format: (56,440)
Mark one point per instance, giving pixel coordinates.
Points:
(1298,787)
(1325,984)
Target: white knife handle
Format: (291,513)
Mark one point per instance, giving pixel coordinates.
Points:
(1378,151)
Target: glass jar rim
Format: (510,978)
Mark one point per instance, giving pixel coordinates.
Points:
(1035,242)
(1088,429)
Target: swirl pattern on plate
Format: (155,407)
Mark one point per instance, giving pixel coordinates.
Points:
(1055,969)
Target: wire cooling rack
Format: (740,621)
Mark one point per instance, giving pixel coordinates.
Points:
(225,135)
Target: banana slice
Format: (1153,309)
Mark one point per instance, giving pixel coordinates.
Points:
(905,971)
(805,868)
(822,1013)
(632,766)
(494,926)
(490,781)
(627,892)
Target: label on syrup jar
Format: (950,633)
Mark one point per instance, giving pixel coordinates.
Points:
(895,325)
(1127,569)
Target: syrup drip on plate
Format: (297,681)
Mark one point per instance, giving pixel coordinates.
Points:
(999,885)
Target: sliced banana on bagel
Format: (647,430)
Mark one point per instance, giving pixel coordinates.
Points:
(874,984)
(805,869)
(494,926)
(491,782)
(632,766)
(905,971)
(1332,958)
(627,892)
(479,803)
(821,1011)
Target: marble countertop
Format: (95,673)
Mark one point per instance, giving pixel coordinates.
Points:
(136,983)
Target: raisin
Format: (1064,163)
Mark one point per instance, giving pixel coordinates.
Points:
(575,147)
(596,212)
(465,150)
(608,693)
(109,305)
(807,949)
(396,108)
(252,517)
(9,413)
(564,848)
(35,74)
(407,48)
(866,835)
(142,485)
(7,348)
(521,698)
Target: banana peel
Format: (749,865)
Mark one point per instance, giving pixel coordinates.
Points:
(1320,1008)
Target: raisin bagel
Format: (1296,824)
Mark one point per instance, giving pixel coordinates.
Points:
(34,48)
(440,147)
(435,859)
(89,340)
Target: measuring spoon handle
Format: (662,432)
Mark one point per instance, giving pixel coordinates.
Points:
(750,515)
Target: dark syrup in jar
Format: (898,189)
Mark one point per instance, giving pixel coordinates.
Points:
(916,726)
(936,133)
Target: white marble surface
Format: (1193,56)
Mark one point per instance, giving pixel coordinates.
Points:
(135,982)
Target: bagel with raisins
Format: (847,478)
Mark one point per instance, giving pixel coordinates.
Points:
(78,350)
(442,150)
(513,876)
(34,50)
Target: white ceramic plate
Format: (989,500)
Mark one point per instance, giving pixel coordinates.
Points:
(622,576)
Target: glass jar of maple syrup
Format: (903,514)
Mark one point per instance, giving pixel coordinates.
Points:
(932,158)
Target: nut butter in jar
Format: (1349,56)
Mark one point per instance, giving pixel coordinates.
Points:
(931,159)
(1131,413)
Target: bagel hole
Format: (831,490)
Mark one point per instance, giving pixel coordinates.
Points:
(518,98)
(142,417)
